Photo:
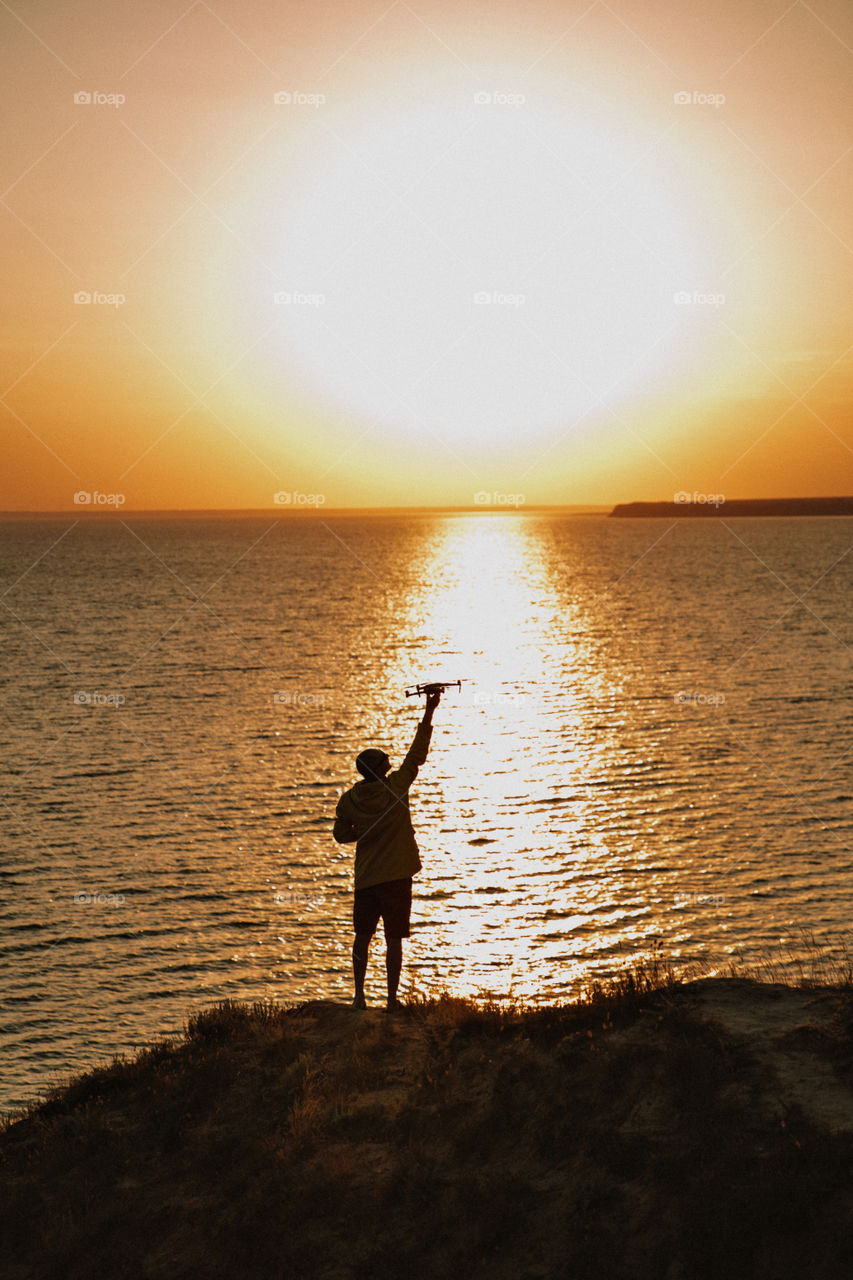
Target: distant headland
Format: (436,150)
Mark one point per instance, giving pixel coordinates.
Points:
(714,504)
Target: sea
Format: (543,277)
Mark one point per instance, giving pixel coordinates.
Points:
(649,757)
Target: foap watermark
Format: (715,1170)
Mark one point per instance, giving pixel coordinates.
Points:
(85,298)
(297,898)
(296,498)
(497,698)
(83,498)
(94,698)
(94,98)
(297,698)
(83,899)
(296,98)
(701,499)
(696,98)
(494,298)
(699,698)
(499,98)
(494,499)
(700,899)
(686,298)
(290,298)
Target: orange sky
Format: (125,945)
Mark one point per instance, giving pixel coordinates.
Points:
(576,253)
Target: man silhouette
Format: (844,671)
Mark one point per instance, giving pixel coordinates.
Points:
(375,814)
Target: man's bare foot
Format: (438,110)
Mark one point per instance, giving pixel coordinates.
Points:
(359,1003)
(394,1006)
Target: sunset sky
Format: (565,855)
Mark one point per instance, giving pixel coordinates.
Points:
(404,253)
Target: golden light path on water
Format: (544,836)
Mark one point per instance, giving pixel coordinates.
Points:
(515,889)
(578,812)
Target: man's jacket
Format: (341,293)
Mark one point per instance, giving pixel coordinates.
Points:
(376,815)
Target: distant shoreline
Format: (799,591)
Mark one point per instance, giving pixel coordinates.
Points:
(709,505)
(687,509)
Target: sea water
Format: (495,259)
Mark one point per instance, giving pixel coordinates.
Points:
(650,752)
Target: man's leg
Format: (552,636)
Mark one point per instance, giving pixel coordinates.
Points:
(393,966)
(359,967)
(396,919)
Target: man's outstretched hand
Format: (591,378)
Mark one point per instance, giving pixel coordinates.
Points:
(432,700)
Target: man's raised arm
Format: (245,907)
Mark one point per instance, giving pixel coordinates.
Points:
(417,753)
(432,700)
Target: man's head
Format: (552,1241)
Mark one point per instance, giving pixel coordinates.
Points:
(373,764)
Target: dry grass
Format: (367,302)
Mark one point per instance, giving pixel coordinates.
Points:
(622,1135)
(803,961)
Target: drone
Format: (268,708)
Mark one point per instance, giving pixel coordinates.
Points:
(436,686)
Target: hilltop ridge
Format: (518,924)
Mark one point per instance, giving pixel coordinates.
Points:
(653,1131)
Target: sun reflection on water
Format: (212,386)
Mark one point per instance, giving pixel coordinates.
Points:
(491,800)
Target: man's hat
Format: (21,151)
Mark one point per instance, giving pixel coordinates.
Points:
(372,763)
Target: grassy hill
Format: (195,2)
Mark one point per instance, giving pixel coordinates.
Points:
(657,1129)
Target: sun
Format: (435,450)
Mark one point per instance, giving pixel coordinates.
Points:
(484,271)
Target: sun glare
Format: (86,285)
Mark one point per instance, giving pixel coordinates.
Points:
(479,270)
(483,612)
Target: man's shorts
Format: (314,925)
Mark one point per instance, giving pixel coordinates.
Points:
(392,900)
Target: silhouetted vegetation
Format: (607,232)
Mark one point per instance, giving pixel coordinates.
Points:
(625,1135)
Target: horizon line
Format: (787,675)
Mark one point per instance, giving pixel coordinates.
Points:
(314,509)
